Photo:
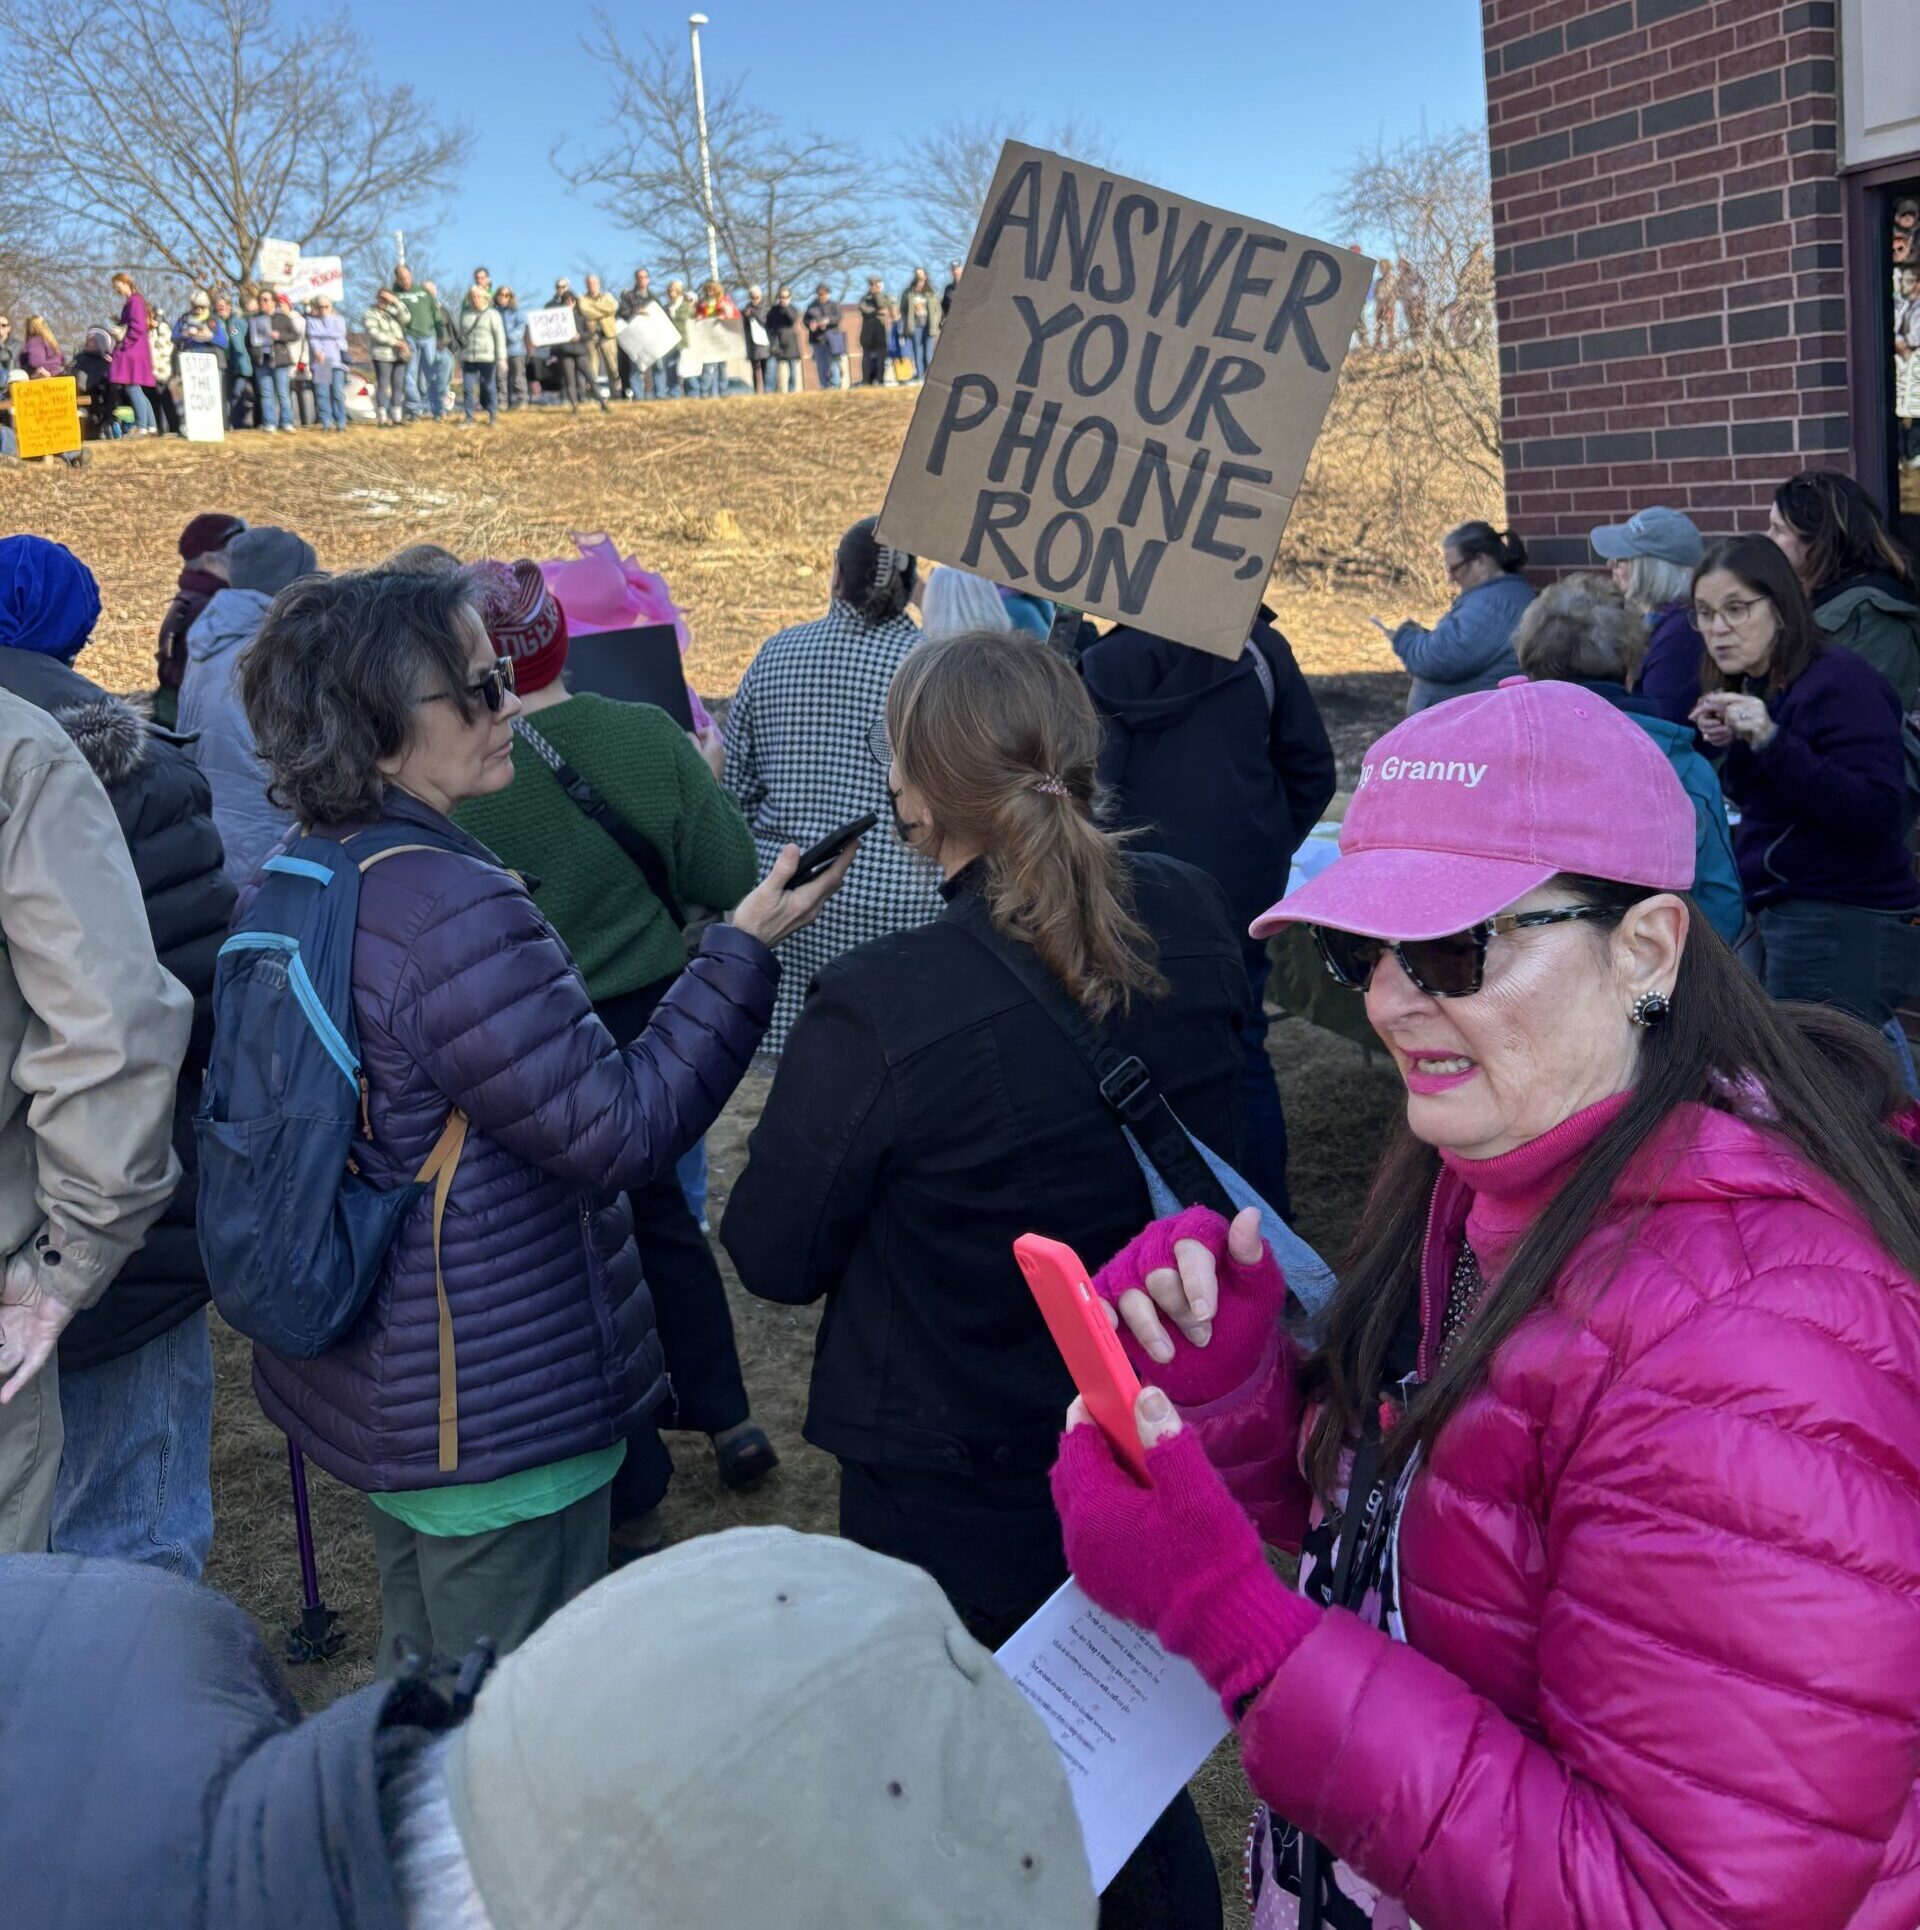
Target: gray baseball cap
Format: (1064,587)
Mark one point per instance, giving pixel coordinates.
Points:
(1662,533)
(770,1727)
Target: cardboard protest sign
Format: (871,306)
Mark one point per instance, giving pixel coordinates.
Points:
(316,275)
(46,416)
(649,337)
(278,260)
(203,401)
(549,327)
(710,340)
(1124,399)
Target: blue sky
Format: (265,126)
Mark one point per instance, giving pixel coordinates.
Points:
(1253,107)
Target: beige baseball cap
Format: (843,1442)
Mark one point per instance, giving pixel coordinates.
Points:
(770,1727)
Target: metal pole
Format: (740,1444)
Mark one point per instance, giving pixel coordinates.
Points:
(399,249)
(695,21)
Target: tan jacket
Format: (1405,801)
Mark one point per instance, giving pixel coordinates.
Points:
(92,1031)
(598,312)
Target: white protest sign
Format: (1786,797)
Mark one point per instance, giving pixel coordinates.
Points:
(710,340)
(203,400)
(647,338)
(278,260)
(1131,1722)
(549,327)
(316,275)
(1125,399)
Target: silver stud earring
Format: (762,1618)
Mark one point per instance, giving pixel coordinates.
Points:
(1651,1009)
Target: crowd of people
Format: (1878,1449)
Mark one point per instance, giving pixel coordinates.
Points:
(1601,1455)
(286,364)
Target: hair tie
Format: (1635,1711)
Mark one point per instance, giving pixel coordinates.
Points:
(1050,786)
(888,563)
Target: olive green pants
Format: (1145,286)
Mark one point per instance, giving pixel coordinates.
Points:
(439,1594)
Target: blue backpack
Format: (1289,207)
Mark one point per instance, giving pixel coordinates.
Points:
(293,1237)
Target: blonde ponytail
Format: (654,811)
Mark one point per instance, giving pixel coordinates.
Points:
(997,735)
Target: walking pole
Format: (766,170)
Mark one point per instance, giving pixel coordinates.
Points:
(318,1634)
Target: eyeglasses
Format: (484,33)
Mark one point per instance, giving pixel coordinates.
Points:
(1454,569)
(1734,615)
(879,744)
(491,689)
(1454,967)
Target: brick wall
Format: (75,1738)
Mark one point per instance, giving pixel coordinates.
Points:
(1668,256)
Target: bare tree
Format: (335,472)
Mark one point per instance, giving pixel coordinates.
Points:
(178,138)
(787,207)
(953,169)
(1424,208)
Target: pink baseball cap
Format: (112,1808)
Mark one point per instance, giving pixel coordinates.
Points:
(1472,804)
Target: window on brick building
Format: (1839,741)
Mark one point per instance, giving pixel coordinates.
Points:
(1892,241)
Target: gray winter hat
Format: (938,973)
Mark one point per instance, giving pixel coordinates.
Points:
(768,1727)
(268,559)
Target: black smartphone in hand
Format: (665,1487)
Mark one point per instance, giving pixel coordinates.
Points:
(822,855)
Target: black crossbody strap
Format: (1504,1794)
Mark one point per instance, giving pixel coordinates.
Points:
(1348,1585)
(640,849)
(1122,1078)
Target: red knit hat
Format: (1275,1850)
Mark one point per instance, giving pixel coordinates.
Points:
(524,619)
(213,530)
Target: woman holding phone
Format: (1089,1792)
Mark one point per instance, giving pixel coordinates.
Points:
(1815,761)
(929,1110)
(1604,1459)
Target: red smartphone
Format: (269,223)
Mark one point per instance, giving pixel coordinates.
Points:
(1080,1329)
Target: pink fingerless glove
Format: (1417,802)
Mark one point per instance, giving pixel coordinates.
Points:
(1251,1301)
(1180,1559)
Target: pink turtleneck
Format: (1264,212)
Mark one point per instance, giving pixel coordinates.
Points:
(1510,1189)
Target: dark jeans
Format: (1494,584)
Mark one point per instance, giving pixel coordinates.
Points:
(1264,1165)
(762,377)
(516,397)
(165,409)
(689,1305)
(440,1593)
(478,390)
(1862,961)
(873,366)
(993,1543)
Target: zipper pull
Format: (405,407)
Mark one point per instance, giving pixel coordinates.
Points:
(366,1121)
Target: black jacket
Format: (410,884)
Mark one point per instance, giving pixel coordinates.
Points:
(1196,760)
(926,1113)
(155,1771)
(165,813)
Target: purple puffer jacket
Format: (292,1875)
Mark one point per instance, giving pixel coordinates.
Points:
(464,995)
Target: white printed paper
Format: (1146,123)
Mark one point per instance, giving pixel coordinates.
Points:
(203,400)
(709,339)
(549,327)
(1131,1722)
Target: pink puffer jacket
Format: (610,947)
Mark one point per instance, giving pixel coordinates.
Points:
(1661,1583)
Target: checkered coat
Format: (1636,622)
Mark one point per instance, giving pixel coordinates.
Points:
(798,762)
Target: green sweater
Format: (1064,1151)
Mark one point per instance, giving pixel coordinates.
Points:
(592,893)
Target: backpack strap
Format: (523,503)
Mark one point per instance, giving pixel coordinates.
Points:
(1264,671)
(437,1172)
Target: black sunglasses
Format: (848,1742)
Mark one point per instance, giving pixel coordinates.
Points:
(491,689)
(1453,967)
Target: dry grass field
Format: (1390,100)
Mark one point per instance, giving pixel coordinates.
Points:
(738,504)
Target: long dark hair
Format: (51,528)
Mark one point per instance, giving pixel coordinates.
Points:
(1823,1082)
(1842,528)
(1762,566)
(875,579)
(1482,539)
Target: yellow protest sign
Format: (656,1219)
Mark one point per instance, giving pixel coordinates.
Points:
(46,416)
